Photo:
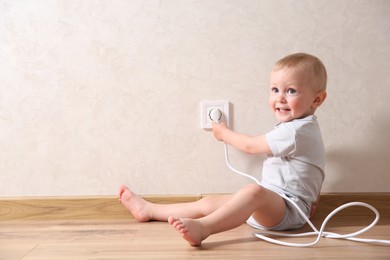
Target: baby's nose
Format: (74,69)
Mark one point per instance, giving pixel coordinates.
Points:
(281,98)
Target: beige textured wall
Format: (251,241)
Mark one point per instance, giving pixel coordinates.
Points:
(99,93)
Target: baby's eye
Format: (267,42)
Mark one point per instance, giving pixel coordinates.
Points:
(291,91)
(275,90)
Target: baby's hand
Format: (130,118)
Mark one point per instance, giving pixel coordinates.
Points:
(218,129)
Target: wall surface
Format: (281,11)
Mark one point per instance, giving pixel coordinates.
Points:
(94,94)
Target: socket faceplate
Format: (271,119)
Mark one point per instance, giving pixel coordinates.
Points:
(207,105)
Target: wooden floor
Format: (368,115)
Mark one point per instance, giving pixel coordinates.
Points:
(127,239)
(124,238)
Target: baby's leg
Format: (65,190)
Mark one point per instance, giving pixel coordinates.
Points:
(143,210)
(266,207)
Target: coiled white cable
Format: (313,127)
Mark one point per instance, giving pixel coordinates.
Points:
(319,233)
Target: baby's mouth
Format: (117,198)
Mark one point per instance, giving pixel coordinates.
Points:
(282,109)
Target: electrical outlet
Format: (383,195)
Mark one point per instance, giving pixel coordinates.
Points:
(207,105)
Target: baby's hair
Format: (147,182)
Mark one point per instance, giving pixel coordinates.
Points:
(305,63)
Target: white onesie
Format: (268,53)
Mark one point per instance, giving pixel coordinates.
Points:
(296,167)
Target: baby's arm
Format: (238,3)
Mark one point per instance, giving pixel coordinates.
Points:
(245,143)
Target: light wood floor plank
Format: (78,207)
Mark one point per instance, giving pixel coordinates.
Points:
(99,228)
(128,239)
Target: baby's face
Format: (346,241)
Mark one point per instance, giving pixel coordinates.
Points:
(291,95)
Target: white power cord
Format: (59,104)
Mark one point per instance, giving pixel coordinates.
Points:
(215,115)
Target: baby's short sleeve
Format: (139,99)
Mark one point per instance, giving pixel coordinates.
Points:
(282,140)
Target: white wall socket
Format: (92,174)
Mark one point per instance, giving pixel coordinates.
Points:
(207,105)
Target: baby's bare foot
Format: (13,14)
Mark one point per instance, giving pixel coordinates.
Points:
(136,205)
(190,229)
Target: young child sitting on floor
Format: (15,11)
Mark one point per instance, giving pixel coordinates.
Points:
(294,165)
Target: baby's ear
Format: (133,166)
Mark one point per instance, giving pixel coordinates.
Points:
(319,99)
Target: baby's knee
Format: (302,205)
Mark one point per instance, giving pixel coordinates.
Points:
(253,191)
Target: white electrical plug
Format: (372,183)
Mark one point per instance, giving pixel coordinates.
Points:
(215,115)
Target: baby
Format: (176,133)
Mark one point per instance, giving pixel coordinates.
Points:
(294,165)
